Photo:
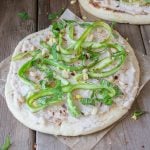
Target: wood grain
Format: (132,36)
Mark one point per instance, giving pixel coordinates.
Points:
(12,30)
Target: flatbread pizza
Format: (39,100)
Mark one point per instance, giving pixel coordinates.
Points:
(123,11)
(73,78)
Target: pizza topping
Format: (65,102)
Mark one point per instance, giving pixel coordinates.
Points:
(133,7)
(73,62)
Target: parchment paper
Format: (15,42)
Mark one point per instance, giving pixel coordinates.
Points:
(89,141)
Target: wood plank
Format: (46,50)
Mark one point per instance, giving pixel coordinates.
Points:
(145,31)
(13,29)
(46,7)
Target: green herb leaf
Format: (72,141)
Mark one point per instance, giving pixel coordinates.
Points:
(137,114)
(43,84)
(87,101)
(6,144)
(55,15)
(24,15)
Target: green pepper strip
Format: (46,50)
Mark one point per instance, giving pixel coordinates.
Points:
(72,108)
(61,65)
(22,73)
(102,64)
(54,92)
(42,93)
(83,37)
(119,56)
(25,54)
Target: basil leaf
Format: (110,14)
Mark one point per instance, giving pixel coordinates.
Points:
(24,15)
(73,109)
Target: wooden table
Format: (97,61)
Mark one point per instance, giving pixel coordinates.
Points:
(127,135)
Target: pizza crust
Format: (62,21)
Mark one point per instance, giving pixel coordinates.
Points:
(93,123)
(116,16)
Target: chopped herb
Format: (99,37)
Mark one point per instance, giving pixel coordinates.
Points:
(57,27)
(137,114)
(6,144)
(87,101)
(55,15)
(24,15)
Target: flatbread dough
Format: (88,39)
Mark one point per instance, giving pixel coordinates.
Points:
(114,15)
(50,120)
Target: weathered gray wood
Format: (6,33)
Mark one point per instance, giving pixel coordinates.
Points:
(145,31)
(12,29)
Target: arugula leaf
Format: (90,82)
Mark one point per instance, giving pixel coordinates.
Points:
(55,15)
(24,15)
(73,109)
(137,114)
(6,144)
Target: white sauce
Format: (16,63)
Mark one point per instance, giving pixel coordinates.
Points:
(133,9)
(125,76)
